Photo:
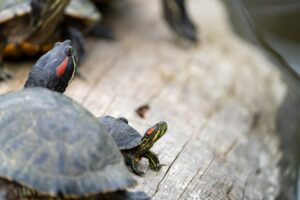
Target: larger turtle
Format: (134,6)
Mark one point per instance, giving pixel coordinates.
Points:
(176,16)
(132,144)
(51,147)
(31,27)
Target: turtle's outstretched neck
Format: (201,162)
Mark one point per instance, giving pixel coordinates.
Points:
(36,78)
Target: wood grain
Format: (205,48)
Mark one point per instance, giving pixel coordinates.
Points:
(219,98)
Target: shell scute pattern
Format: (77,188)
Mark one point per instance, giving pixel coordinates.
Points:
(64,150)
(13,8)
(83,9)
(124,135)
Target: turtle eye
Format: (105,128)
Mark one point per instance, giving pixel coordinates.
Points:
(69,51)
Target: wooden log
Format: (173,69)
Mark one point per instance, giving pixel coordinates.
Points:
(220,100)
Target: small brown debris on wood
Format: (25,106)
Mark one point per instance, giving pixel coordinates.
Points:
(141,111)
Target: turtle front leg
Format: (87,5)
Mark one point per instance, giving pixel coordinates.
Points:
(126,195)
(153,160)
(178,19)
(16,191)
(132,162)
(25,193)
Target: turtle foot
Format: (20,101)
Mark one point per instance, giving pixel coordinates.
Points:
(139,173)
(177,17)
(184,29)
(126,195)
(188,32)
(156,167)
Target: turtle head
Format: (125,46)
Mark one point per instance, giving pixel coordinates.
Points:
(55,69)
(153,134)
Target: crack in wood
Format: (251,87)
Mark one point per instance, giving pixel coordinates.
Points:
(210,115)
(229,190)
(245,185)
(178,154)
(195,175)
(113,100)
(230,148)
(193,83)
(157,187)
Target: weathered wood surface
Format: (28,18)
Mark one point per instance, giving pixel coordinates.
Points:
(219,99)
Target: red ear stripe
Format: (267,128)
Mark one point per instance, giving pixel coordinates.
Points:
(150,131)
(60,70)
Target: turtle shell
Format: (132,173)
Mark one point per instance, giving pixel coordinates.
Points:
(124,135)
(53,145)
(10,9)
(15,18)
(83,10)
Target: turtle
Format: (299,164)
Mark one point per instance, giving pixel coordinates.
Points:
(132,145)
(31,27)
(52,147)
(175,14)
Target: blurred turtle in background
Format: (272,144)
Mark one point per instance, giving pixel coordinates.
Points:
(175,14)
(273,25)
(132,144)
(52,147)
(31,27)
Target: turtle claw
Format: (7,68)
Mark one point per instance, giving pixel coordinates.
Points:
(189,33)
(159,166)
(139,173)
(156,167)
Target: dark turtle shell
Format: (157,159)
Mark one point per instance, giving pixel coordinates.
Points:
(23,39)
(124,135)
(53,145)
(12,8)
(81,9)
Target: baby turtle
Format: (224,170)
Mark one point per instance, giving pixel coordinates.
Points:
(52,147)
(132,144)
(31,27)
